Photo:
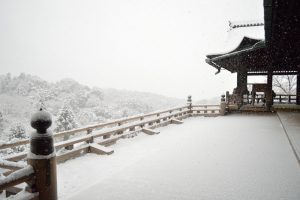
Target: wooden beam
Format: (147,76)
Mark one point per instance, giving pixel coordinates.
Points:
(11,165)
(100,150)
(149,131)
(16,157)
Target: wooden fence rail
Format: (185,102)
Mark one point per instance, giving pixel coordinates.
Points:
(95,139)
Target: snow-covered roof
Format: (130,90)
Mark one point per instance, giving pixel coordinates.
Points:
(237,32)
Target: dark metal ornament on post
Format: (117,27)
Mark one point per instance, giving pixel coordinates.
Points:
(42,157)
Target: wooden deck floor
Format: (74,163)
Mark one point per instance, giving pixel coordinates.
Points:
(238,156)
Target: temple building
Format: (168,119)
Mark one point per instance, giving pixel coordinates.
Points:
(270,47)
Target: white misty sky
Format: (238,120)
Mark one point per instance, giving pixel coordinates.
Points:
(156,46)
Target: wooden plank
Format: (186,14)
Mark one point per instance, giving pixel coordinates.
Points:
(100,150)
(16,157)
(176,121)
(149,131)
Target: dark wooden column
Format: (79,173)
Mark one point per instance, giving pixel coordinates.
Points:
(298,89)
(269,97)
(241,88)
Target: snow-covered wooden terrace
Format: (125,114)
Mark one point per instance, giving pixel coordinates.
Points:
(240,156)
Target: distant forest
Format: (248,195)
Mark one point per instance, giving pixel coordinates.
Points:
(69,102)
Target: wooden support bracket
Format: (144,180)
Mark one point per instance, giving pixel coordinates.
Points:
(149,131)
(176,121)
(100,150)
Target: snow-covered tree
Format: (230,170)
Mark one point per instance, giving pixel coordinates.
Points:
(17,132)
(65,120)
(1,121)
(5,82)
(285,84)
(1,117)
(86,117)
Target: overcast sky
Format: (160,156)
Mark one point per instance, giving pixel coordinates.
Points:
(156,46)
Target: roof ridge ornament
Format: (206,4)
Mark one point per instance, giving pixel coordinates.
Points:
(241,24)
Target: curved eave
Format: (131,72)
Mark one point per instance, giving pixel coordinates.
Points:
(245,43)
(250,58)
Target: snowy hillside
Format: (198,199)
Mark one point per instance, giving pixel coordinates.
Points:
(20,96)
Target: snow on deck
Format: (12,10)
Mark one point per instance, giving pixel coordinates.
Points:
(232,157)
(291,123)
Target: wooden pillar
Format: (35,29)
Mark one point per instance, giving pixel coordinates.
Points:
(241,86)
(42,158)
(269,96)
(298,89)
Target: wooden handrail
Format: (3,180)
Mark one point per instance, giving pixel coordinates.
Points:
(198,105)
(91,127)
(17,177)
(140,121)
(123,120)
(101,133)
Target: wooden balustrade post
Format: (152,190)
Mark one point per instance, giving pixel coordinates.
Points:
(280,99)
(189,103)
(227,97)
(223,105)
(42,157)
(88,132)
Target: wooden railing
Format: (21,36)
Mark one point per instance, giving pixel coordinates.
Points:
(260,98)
(96,139)
(285,98)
